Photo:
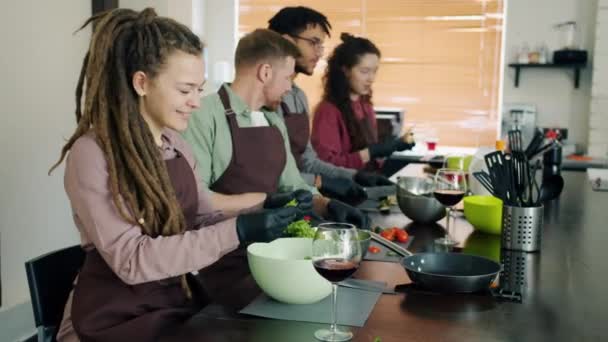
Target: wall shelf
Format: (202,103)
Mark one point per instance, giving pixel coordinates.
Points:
(576,67)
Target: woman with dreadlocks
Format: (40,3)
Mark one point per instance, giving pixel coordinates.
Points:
(344,129)
(145,221)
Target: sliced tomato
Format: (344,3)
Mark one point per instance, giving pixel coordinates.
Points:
(388,234)
(401,235)
(374,249)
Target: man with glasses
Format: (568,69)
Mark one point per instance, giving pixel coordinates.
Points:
(308,29)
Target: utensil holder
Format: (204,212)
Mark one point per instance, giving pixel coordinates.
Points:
(519,271)
(522,228)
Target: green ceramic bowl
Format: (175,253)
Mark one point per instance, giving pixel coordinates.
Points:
(283,270)
(484,213)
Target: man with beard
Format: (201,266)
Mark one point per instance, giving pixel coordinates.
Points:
(238,139)
(308,29)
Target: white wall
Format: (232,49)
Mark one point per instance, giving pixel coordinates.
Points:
(184,11)
(215,21)
(551,90)
(161,6)
(40,62)
(598,119)
(220,27)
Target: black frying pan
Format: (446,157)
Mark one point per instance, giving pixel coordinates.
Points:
(446,272)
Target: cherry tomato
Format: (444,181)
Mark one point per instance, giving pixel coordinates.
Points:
(373,249)
(401,235)
(388,234)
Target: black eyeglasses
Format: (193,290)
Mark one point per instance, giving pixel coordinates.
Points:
(314,42)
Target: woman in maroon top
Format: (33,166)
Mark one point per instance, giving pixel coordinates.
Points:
(344,126)
(146,223)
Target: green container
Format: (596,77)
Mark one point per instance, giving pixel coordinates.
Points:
(484,213)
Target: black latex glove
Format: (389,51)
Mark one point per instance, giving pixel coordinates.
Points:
(279,200)
(265,225)
(385,149)
(364,178)
(343,189)
(304,199)
(342,212)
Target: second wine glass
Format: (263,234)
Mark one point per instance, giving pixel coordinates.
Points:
(449,188)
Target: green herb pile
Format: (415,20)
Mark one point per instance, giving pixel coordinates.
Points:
(300,228)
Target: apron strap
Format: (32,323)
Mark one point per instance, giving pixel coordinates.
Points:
(285,108)
(225,98)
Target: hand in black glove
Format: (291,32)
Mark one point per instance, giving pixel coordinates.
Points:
(385,149)
(341,212)
(304,199)
(343,189)
(279,200)
(365,178)
(265,225)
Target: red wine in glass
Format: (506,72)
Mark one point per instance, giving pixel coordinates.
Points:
(336,254)
(335,270)
(449,198)
(450,186)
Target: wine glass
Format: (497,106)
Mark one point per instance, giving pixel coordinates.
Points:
(449,188)
(336,254)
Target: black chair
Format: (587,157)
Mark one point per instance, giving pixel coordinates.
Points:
(50,278)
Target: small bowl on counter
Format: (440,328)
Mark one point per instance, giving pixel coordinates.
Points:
(416,200)
(484,213)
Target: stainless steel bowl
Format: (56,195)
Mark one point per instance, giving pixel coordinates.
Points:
(416,201)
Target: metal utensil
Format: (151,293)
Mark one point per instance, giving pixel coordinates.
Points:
(494,163)
(521,168)
(509,177)
(551,188)
(546,148)
(362,285)
(536,141)
(515,141)
(484,178)
(534,184)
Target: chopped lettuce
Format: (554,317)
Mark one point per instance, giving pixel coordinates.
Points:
(300,228)
(292,203)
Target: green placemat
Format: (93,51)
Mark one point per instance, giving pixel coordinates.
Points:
(384,254)
(354,306)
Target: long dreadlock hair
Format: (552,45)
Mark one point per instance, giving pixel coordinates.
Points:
(337,88)
(124,42)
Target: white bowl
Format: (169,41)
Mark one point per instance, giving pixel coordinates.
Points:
(284,271)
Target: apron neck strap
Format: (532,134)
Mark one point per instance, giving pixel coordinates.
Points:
(225,100)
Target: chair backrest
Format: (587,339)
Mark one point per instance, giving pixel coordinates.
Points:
(50,278)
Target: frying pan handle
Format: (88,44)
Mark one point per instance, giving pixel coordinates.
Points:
(395,247)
